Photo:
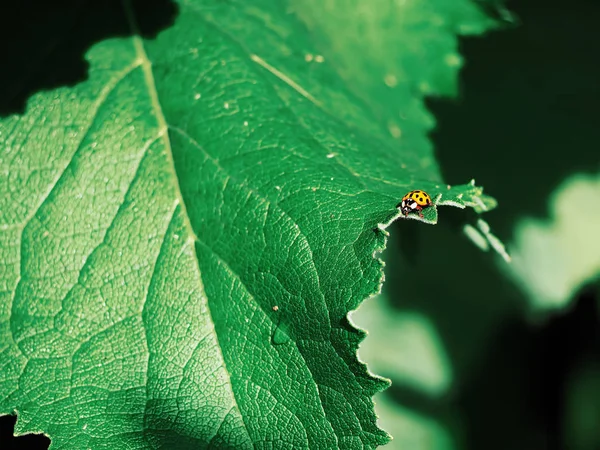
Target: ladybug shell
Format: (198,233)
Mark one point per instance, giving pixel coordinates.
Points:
(422,198)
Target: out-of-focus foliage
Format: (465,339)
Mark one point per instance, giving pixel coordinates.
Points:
(554,258)
(410,429)
(406,347)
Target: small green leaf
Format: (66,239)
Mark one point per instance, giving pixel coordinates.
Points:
(183,234)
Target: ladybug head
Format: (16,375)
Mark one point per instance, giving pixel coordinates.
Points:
(408,205)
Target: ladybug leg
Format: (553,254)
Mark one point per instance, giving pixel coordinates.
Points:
(420,212)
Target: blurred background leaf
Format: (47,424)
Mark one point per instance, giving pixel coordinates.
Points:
(411,430)
(406,347)
(553,258)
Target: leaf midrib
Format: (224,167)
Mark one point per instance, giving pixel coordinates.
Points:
(146,65)
(163,126)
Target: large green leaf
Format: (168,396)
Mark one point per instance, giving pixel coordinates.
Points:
(183,234)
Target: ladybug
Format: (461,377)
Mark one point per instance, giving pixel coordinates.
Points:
(414,201)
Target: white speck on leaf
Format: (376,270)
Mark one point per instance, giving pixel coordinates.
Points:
(308,57)
(390,80)
(395,130)
(452,59)
(439,21)
(330,155)
(197,96)
(319,58)
(424,87)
